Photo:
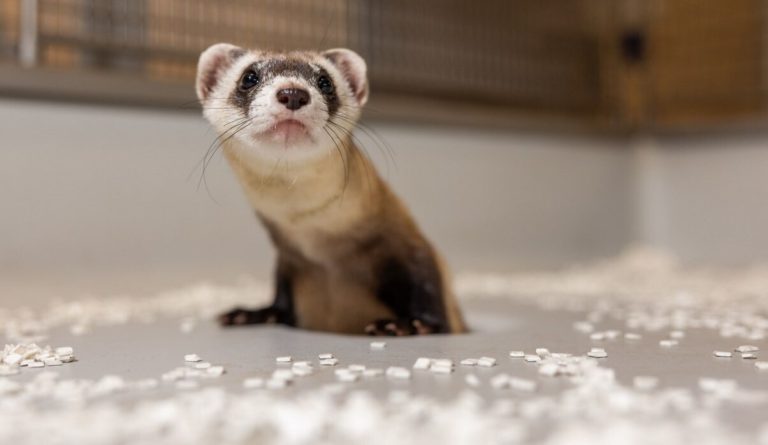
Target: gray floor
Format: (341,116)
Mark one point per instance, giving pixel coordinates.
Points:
(147,350)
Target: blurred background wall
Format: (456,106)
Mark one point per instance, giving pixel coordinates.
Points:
(527,133)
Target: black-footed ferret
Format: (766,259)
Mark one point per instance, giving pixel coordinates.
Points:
(350,258)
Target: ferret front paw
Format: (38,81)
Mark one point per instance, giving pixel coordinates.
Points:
(398,328)
(241,317)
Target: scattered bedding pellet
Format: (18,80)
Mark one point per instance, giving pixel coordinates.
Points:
(597,353)
(486,362)
(549,369)
(284,359)
(277,383)
(500,381)
(356,368)
(517,354)
(378,345)
(326,356)
(202,365)
(192,358)
(723,354)
(422,363)
(532,358)
(253,383)
(329,362)
(472,380)
(677,335)
(668,343)
(468,362)
(282,374)
(523,385)
(542,352)
(631,336)
(645,383)
(373,372)
(762,366)
(747,348)
(397,372)
(748,356)
(187,384)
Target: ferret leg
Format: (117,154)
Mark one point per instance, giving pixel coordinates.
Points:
(414,293)
(280,311)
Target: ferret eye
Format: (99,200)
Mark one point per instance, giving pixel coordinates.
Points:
(325,85)
(249,80)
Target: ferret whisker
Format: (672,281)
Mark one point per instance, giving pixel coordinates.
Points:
(340,151)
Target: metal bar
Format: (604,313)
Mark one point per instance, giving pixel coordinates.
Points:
(28,33)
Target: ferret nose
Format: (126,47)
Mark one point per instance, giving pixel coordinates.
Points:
(293,98)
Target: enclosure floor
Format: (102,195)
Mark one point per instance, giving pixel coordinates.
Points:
(146,350)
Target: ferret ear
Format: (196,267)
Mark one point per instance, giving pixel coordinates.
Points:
(353,68)
(213,62)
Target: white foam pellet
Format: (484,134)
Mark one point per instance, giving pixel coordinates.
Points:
(517,354)
(52,361)
(523,385)
(612,334)
(441,369)
(549,369)
(469,362)
(302,371)
(723,354)
(677,335)
(542,352)
(6,370)
(762,366)
(645,383)
(35,364)
(329,362)
(532,358)
(422,363)
(747,348)
(253,383)
(284,359)
(486,362)
(597,353)
(215,371)
(472,380)
(282,374)
(748,356)
(302,363)
(668,343)
(202,365)
(348,377)
(326,356)
(356,368)
(12,359)
(187,384)
(397,372)
(378,345)
(500,381)
(717,385)
(632,336)
(373,372)
(597,336)
(584,326)
(277,383)
(191,358)
(64,350)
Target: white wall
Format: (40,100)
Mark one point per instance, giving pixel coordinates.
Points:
(709,202)
(98,198)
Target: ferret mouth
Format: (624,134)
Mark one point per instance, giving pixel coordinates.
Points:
(287,131)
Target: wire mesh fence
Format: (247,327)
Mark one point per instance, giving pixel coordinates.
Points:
(631,61)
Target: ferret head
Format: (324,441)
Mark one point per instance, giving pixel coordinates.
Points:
(295,105)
